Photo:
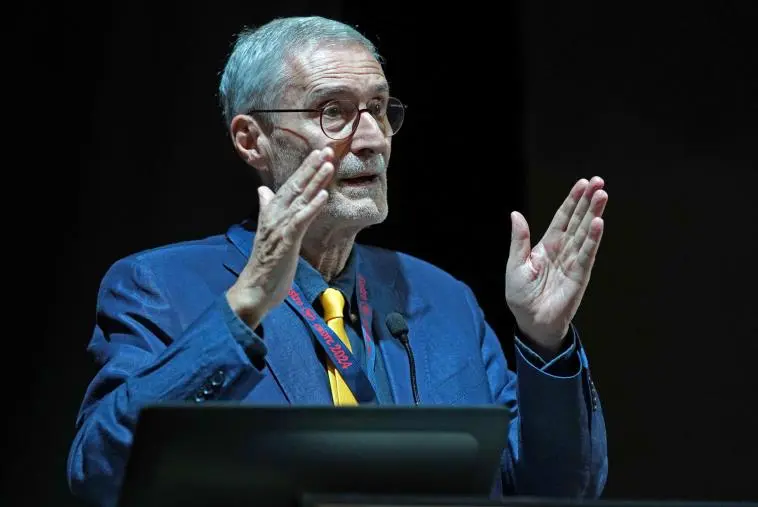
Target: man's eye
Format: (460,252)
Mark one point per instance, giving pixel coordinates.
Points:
(377,108)
(335,110)
(332,110)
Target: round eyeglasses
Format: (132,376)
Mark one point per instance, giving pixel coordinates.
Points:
(340,118)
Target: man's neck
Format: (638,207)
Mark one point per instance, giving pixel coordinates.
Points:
(328,253)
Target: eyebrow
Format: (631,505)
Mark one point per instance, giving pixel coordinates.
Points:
(382,88)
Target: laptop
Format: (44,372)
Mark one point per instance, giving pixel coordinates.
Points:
(229,455)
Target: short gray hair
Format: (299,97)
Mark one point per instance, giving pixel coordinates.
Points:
(255,74)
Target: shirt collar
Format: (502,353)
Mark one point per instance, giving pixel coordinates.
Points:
(313,284)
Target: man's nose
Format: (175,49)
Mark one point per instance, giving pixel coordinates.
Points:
(369,135)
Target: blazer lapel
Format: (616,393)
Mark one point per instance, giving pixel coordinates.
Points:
(291,357)
(387,294)
(292,360)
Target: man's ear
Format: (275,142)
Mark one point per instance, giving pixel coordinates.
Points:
(250,141)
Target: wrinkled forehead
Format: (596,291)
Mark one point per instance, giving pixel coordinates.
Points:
(345,69)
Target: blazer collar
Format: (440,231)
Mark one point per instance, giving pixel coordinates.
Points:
(241,238)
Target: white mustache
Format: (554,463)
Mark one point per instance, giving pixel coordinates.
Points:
(352,166)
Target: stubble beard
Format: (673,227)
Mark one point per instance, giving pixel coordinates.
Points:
(340,210)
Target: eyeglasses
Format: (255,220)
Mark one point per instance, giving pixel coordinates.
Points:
(340,118)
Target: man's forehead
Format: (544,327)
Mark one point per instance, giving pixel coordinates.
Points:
(335,65)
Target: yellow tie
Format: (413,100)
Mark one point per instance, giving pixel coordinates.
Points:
(334,305)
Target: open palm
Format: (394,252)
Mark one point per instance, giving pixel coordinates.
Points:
(544,284)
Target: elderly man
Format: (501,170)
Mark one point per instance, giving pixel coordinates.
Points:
(293,311)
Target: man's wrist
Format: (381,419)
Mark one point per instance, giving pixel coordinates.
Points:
(547,347)
(246,305)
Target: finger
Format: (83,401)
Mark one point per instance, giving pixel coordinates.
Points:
(520,242)
(307,213)
(297,182)
(596,209)
(580,213)
(320,180)
(588,251)
(264,197)
(562,216)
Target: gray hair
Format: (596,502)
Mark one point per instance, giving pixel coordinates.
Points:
(255,74)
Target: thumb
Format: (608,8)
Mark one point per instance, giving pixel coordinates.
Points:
(520,245)
(264,197)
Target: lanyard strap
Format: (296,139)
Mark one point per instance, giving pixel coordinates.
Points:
(341,357)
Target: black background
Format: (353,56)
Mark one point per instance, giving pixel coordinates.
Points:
(117,145)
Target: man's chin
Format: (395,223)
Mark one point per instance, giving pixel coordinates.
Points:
(362,212)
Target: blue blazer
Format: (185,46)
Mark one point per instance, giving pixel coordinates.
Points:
(164,332)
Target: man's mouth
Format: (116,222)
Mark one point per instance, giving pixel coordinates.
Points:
(359,180)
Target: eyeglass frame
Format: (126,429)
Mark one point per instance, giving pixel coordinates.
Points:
(320,110)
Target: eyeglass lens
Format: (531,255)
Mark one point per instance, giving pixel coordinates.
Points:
(338,118)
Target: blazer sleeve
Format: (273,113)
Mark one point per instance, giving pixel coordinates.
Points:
(143,357)
(557,439)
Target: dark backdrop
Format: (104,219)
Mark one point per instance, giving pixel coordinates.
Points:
(117,145)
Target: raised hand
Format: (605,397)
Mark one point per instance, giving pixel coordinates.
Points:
(283,219)
(544,284)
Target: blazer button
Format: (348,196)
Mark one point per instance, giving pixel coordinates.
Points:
(207,391)
(199,397)
(218,378)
